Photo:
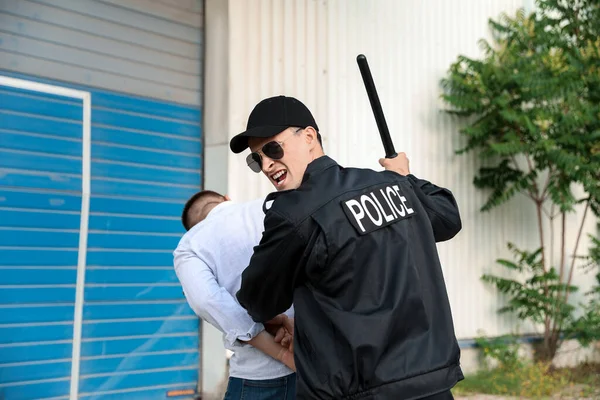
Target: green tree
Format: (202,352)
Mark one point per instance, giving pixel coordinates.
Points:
(586,327)
(531,106)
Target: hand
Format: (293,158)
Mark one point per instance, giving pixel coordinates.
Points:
(285,332)
(274,325)
(286,356)
(265,342)
(285,337)
(398,164)
(282,327)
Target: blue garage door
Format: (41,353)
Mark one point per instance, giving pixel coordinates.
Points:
(40,216)
(138,337)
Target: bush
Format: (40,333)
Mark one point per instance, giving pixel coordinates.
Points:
(504,350)
(532,109)
(513,375)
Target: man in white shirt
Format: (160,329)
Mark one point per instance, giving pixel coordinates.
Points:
(209,262)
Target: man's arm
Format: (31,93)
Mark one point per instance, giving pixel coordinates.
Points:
(441,208)
(268,345)
(216,305)
(269,281)
(439,203)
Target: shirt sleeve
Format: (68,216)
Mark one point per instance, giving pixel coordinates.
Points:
(210,301)
(441,208)
(269,281)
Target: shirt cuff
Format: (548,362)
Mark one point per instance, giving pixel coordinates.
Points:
(237,339)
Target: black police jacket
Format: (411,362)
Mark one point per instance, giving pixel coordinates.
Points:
(355,251)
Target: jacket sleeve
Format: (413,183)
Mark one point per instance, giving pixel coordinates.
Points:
(269,281)
(441,208)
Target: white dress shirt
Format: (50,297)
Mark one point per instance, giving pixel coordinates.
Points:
(209,262)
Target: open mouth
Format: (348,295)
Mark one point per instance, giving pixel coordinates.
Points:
(279,177)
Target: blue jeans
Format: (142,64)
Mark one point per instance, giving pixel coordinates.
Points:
(283,388)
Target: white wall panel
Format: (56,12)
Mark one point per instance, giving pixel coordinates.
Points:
(308,49)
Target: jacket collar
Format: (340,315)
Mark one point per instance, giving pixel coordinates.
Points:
(318,165)
(314,168)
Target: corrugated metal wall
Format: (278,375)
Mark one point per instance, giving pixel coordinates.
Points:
(146,47)
(308,49)
(140,62)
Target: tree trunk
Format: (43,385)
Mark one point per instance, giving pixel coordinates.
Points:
(545,350)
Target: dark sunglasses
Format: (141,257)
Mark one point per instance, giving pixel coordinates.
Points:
(273,150)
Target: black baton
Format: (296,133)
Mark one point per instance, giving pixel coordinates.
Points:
(376,106)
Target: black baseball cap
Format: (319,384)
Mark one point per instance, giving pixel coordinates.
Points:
(271,116)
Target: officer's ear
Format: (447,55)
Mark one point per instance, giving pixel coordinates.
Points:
(310,135)
(227,198)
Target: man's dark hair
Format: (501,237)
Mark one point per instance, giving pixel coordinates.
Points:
(199,203)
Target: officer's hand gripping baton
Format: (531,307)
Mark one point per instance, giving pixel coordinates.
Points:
(376,106)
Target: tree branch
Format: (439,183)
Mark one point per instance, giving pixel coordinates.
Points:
(547,184)
(552,234)
(538,206)
(562,245)
(514,160)
(550,214)
(587,206)
(529,164)
(539,198)
(558,322)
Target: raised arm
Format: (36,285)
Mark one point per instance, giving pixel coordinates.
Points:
(441,208)
(439,203)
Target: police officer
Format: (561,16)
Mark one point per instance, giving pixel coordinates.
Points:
(355,251)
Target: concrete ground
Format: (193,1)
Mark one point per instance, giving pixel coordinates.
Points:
(569,394)
(565,396)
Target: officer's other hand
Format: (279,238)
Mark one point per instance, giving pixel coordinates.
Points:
(273,325)
(398,164)
(285,333)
